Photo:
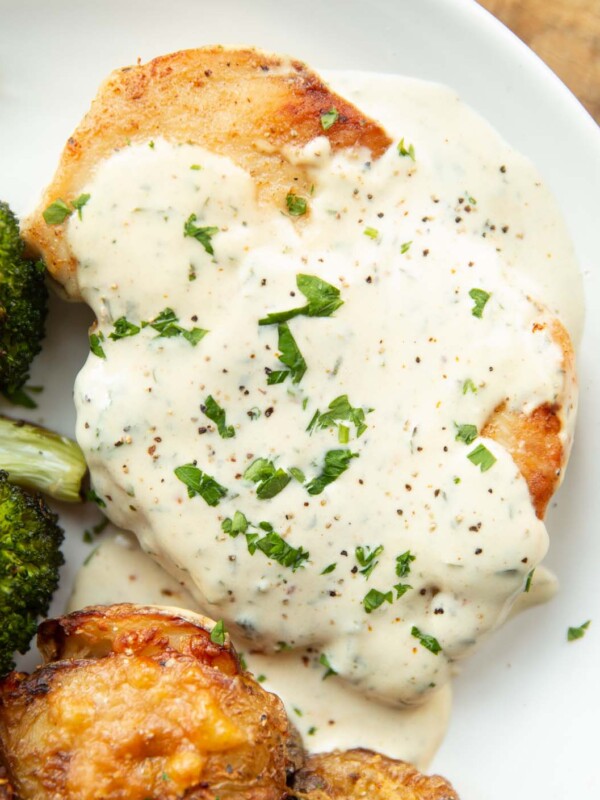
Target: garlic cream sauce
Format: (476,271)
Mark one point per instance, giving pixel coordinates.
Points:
(320,483)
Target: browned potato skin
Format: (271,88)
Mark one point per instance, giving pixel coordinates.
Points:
(244,104)
(354,774)
(137,703)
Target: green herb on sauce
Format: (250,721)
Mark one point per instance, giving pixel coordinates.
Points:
(93,497)
(404,248)
(297,474)
(296,205)
(429,642)
(579,632)
(200,234)
(339,409)
(323,299)
(123,328)
(290,355)
(528,581)
(480,297)
(374,598)
(195,167)
(401,588)
(199,482)
(311,731)
(335,464)
(261,678)
(372,233)
(166,324)
(79,203)
(269,479)
(57,212)
(329,118)
(405,151)
(329,670)
(96,348)
(469,386)
(329,569)
(465,433)
(217,634)
(403,563)
(482,458)
(367,558)
(215,413)
(271,544)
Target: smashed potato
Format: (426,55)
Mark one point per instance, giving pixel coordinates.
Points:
(140,703)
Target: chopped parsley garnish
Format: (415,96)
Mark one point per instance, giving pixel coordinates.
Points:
(401,588)
(217,635)
(429,642)
(297,474)
(482,458)
(57,212)
(311,731)
(404,248)
(93,497)
(329,569)
(290,355)
(466,433)
(271,544)
(329,670)
(198,482)
(167,325)
(336,463)
(367,558)
(79,203)
(269,479)
(469,386)
(96,340)
(403,563)
(215,413)
(323,300)
(339,409)
(329,118)
(374,598)
(528,581)
(403,150)
(261,678)
(200,234)
(480,297)
(579,632)
(296,205)
(372,233)
(124,328)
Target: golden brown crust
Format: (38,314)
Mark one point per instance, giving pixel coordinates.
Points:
(536,441)
(153,709)
(363,774)
(244,104)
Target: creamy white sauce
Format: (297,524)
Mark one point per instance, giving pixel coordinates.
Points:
(404,344)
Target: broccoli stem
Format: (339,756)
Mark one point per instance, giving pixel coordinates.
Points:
(38,459)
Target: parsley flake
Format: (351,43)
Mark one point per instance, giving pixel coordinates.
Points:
(404,248)
(123,328)
(406,151)
(271,544)
(339,409)
(372,233)
(374,598)
(290,356)
(57,212)
(296,205)
(469,386)
(429,642)
(269,479)
(199,482)
(482,458)
(403,563)
(166,324)
(323,299)
(480,297)
(579,632)
(401,588)
(329,670)
(367,558)
(215,413)
(79,203)
(465,433)
(336,463)
(218,633)
(329,569)
(329,118)
(528,581)
(96,348)
(200,234)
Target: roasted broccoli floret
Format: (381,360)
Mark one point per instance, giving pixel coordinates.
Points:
(23,302)
(30,558)
(39,459)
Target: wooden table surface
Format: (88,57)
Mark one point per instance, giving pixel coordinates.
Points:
(565,34)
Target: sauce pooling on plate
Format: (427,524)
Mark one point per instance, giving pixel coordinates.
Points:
(285,405)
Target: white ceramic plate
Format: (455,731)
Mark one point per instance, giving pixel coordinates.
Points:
(526,707)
